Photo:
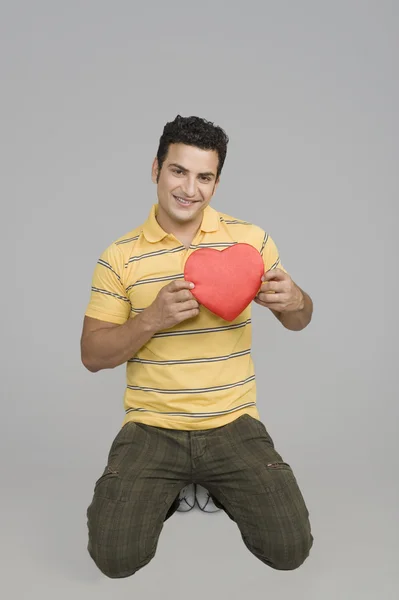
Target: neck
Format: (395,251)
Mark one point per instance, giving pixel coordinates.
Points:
(184,232)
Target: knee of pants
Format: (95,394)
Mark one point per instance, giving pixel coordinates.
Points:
(116,567)
(292,562)
(288,556)
(117,550)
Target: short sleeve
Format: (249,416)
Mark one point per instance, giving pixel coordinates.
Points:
(270,254)
(109,300)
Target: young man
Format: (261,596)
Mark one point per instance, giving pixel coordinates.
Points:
(190,400)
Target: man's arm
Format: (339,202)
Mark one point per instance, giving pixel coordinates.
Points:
(299,319)
(105,345)
(288,302)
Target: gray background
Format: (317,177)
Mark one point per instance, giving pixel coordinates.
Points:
(308,92)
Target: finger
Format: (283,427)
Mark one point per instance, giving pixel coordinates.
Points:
(188,305)
(180,284)
(188,314)
(277,274)
(271,298)
(277,307)
(272,286)
(182,296)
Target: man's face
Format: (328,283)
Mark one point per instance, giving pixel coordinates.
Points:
(186,183)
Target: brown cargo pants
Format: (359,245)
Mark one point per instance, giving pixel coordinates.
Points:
(148,466)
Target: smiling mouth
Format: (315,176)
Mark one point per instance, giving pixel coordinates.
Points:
(183,201)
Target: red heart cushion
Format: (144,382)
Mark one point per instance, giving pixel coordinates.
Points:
(226,281)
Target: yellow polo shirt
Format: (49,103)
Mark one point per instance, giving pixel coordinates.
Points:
(198,374)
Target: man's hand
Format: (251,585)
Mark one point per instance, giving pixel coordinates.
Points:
(173,304)
(279,293)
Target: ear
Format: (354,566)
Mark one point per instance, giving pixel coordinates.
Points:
(154,170)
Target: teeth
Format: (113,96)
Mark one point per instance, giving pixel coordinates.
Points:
(184,201)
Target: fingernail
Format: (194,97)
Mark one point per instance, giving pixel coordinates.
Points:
(191,286)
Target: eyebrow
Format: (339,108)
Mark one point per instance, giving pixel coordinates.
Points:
(207,173)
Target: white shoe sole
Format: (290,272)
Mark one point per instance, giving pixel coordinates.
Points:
(204,500)
(184,504)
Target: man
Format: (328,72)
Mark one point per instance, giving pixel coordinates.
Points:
(190,400)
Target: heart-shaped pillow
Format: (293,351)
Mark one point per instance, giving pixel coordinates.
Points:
(226,281)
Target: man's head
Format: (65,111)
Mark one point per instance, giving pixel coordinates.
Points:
(187,168)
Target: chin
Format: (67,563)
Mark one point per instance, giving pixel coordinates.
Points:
(184,214)
(184,218)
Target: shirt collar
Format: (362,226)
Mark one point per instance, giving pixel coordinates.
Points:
(153,232)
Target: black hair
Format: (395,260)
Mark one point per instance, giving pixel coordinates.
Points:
(193,131)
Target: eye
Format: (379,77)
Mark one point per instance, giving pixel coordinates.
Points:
(205,178)
(177,171)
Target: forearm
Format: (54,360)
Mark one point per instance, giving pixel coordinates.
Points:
(299,319)
(110,347)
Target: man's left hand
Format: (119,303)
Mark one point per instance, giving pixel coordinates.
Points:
(279,293)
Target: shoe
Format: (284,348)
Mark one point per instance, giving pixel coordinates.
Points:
(187,498)
(205,500)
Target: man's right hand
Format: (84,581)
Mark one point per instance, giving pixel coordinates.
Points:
(173,304)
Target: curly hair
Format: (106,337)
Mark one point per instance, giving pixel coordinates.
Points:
(193,131)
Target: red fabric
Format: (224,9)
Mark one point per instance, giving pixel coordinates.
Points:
(225,281)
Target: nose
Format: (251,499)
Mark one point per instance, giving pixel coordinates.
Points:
(190,187)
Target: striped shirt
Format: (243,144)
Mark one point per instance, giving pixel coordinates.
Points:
(198,374)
